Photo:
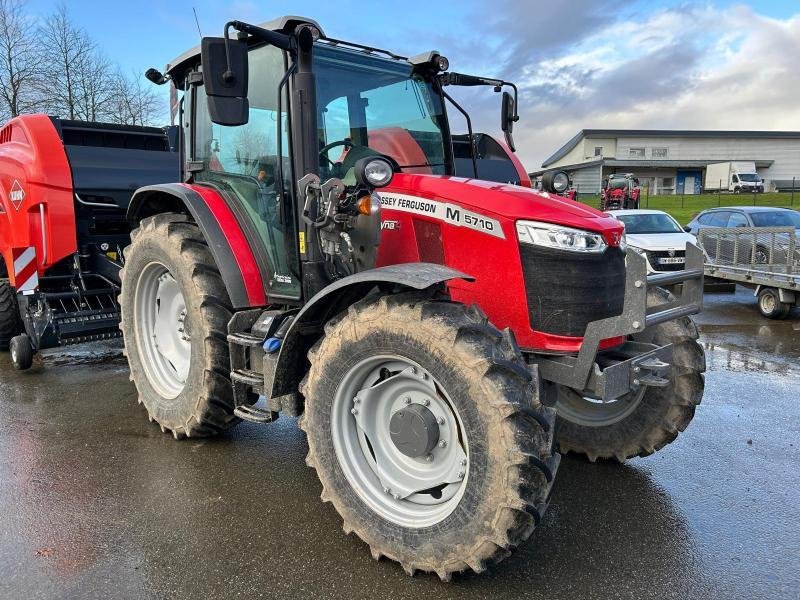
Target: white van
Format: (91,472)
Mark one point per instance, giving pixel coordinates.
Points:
(736,177)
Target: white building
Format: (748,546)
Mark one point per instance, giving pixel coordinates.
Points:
(672,161)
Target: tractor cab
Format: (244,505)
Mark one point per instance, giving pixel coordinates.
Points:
(255,138)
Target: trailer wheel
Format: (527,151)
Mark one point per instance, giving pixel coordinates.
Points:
(21,352)
(427,433)
(644,420)
(10,321)
(770,305)
(175,310)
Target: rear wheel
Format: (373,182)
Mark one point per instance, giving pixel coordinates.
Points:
(646,419)
(427,434)
(770,305)
(10,321)
(175,311)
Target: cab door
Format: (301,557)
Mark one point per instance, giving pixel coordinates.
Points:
(243,163)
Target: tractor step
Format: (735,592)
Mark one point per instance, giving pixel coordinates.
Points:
(248,377)
(255,415)
(246,339)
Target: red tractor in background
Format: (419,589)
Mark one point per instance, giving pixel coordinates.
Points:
(620,191)
(441,337)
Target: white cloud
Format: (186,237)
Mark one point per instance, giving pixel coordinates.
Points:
(687,68)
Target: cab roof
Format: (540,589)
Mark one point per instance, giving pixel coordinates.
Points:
(178,66)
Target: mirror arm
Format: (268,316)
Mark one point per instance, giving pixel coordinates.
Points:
(469,129)
(273,38)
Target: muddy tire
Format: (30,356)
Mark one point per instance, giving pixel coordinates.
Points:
(10,322)
(181,371)
(472,370)
(641,422)
(770,305)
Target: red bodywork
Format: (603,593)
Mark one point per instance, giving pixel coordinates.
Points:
(34,161)
(499,288)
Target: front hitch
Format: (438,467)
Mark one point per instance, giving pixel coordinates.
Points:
(633,364)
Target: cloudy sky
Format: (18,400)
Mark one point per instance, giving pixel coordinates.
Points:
(579,63)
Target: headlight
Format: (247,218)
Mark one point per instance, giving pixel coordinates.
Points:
(561,238)
(374,171)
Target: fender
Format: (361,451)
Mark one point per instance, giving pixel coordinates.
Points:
(216,221)
(307,326)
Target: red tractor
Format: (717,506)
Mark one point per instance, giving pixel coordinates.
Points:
(440,337)
(620,191)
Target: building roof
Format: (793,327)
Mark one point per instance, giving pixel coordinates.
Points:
(650,164)
(694,133)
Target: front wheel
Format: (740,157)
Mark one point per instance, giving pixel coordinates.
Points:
(427,434)
(646,419)
(175,310)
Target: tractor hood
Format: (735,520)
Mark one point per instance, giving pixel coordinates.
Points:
(506,201)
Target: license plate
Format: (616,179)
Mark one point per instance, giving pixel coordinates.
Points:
(673,260)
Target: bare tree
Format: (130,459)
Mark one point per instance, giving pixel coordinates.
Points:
(133,102)
(19,61)
(68,57)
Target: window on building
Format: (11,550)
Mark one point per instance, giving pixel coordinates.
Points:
(636,152)
(659,152)
(598,151)
(668,183)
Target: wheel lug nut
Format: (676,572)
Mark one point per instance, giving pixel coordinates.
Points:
(407,400)
(443,444)
(386,490)
(356,400)
(440,420)
(429,458)
(354,411)
(463,462)
(461,474)
(426,402)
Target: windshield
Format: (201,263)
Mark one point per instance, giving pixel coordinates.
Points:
(776,218)
(377,106)
(750,177)
(650,223)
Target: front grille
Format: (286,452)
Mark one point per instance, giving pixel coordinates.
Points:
(654,256)
(568,290)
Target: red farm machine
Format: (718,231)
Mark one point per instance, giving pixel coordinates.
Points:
(620,191)
(319,250)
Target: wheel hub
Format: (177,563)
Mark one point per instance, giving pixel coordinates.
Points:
(414,430)
(163,330)
(399,441)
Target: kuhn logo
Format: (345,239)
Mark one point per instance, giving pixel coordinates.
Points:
(16,194)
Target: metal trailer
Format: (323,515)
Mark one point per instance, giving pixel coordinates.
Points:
(763,258)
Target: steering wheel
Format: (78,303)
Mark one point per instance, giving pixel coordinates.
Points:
(328,147)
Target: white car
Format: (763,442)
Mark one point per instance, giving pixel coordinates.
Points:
(658,236)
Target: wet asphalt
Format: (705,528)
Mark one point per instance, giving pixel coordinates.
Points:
(95,502)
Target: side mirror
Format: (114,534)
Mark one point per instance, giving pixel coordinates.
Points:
(225,80)
(508,116)
(687,229)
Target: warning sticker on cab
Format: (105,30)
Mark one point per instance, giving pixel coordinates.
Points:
(443,211)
